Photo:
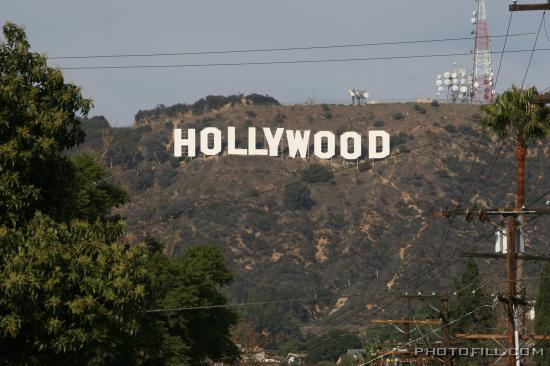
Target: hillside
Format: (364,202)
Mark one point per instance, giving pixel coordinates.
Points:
(365,229)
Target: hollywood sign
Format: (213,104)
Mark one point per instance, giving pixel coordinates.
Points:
(298,142)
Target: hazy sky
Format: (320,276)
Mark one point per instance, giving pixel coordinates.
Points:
(71,27)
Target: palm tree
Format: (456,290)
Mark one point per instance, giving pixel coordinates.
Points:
(515,115)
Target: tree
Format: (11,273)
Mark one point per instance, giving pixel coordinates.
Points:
(94,197)
(330,346)
(192,280)
(515,115)
(470,296)
(542,313)
(296,196)
(72,291)
(316,173)
(69,294)
(38,122)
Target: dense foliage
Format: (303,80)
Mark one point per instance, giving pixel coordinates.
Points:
(330,346)
(470,297)
(206,104)
(69,295)
(317,173)
(297,196)
(38,120)
(191,280)
(73,291)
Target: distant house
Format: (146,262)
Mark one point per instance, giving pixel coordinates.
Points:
(295,358)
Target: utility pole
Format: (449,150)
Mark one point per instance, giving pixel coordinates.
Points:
(542,99)
(511,277)
(511,216)
(528,7)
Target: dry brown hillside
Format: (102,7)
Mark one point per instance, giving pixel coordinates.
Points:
(366,230)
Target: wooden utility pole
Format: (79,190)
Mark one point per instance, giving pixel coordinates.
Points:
(511,277)
(511,256)
(528,7)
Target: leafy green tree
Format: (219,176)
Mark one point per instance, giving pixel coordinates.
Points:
(330,346)
(38,121)
(69,295)
(542,314)
(470,296)
(515,115)
(183,336)
(94,196)
(72,292)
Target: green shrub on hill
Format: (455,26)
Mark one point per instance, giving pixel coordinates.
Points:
(297,196)
(316,173)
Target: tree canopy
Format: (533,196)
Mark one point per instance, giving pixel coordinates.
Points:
(514,114)
(470,296)
(73,290)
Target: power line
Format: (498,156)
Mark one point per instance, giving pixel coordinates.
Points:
(445,237)
(533,52)
(259,50)
(398,296)
(288,62)
(546,31)
(246,304)
(503,48)
(440,328)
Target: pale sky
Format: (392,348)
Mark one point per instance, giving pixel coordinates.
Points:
(75,28)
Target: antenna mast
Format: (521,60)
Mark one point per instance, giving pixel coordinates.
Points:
(483,74)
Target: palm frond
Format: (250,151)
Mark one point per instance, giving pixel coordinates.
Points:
(514,114)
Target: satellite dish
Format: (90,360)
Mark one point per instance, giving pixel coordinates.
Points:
(460,96)
(456,81)
(474,13)
(439,82)
(439,76)
(476,85)
(351,93)
(365,94)
(447,75)
(440,89)
(447,82)
(463,81)
(474,20)
(455,88)
(463,89)
(454,75)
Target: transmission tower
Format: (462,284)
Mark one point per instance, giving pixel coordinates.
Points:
(483,73)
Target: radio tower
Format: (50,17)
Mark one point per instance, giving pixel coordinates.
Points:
(483,75)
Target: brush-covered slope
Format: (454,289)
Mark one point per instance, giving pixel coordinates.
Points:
(365,230)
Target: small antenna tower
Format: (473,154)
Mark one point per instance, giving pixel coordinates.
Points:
(483,73)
